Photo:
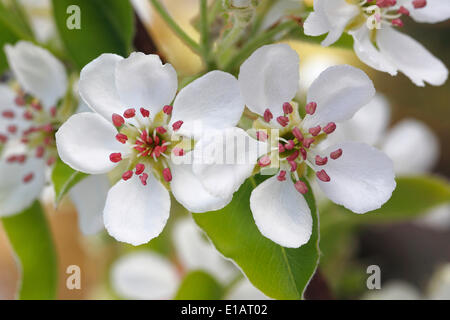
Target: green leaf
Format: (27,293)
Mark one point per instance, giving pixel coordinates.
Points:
(64,178)
(281,273)
(107,26)
(32,243)
(199,285)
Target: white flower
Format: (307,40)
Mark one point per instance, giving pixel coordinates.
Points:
(355,175)
(132,130)
(149,275)
(382,47)
(28,122)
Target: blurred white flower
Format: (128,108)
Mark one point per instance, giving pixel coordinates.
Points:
(381,46)
(149,275)
(40,15)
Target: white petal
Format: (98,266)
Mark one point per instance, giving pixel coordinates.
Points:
(368,53)
(85,142)
(435,11)
(135,213)
(224,161)
(38,72)
(412,146)
(7,103)
(15,194)
(339,92)
(281,213)
(196,252)
(269,77)
(362,179)
(144,275)
(244,290)
(97,85)
(212,102)
(188,190)
(411,58)
(279,10)
(89,196)
(330,16)
(368,125)
(143,81)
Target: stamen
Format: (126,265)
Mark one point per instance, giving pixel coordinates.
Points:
(122,138)
(293,165)
(161,130)
(129,113)
(283,121)
(36,106)
(11,159)
(167,109)
(311,108)
(297,133)
(53,111)
(28,115)
(40,150)
(127,175)
(264,161)
(301,187)
(8,114)
(20,101)
(314,131)
(268,115)
(323,176)
(281,148)
(12,129)
(177,125)
(307,142)
(139,168)
(293,156)
(117,120)
(3,138)
(28,177)
(321,161)
(178,151)
(329,128)
(145,113)
(144,178)
(419,4)
(403,10)
(282,175)
(261,136)
(21,158)
(397,22)
(303,153)
(290,145)
(115,157)
(336,154)
(51,161)
(287,108)
(47,128)
(167,174)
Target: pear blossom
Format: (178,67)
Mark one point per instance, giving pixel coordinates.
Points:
(373,25)
(149,275)
(351,174)
(136,135)
(29,118)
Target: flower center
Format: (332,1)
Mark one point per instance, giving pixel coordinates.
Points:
(294,151)
(35,127)
(149,142)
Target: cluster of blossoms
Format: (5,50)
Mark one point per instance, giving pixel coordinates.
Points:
(372,24)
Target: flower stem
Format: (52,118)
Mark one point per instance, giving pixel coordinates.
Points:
(205,39)
(175,27)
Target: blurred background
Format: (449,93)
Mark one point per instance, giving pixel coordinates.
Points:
(413,256)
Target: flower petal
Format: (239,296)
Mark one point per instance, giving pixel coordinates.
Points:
(144,275)
(339,92)
(224,161)
(412,146)
(330,16)
(143,81)
(212,102)
(362,178)
(270,77)
(85,142)
(281,213)
(411,58)
(38,72)
(188,190)
(89,196)
(15,194)
(435,11)
(368,53)
(135,213)
(368,125)
(97,85)
(196,252)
